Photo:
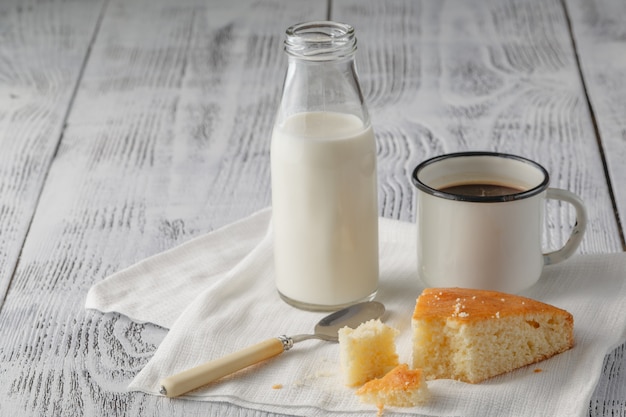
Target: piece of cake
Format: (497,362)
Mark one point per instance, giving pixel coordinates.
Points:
(367,352)
(472,335)
(400,387)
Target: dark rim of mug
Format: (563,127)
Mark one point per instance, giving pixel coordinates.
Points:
(480,199)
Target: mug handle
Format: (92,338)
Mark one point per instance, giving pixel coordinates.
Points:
(577,232)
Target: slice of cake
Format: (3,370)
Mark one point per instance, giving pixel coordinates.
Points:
(472,335)
(401,387)
(367,352)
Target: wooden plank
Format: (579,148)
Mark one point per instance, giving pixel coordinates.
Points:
(42,51)
(453,76)
(168,138)
(600,37)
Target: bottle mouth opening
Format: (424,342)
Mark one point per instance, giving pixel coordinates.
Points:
(320,40)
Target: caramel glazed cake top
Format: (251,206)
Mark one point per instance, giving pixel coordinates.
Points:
(469,305)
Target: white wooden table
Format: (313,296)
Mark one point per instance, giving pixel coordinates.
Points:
(130,126)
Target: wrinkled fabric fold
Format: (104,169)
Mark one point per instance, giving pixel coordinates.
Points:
(216,294)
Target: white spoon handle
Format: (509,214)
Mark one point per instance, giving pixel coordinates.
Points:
(193,378)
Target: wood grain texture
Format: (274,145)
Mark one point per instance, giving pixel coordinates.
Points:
(600,35)
(167,138)
(42,51)
(502,76)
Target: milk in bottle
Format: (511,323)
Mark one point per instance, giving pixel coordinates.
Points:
(324,181)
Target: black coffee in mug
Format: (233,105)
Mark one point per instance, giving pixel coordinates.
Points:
(481,190)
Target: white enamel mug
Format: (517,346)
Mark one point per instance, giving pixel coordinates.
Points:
(486,242)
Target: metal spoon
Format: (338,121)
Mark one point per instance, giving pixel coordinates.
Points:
(327,329)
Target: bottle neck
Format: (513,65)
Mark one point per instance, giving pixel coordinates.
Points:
(321,75)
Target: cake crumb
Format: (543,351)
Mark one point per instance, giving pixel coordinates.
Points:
(277,386)
(323,373)
(538,370)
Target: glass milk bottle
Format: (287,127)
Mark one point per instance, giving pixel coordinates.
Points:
(324,181)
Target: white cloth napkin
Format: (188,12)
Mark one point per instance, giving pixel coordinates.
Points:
(216,294)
